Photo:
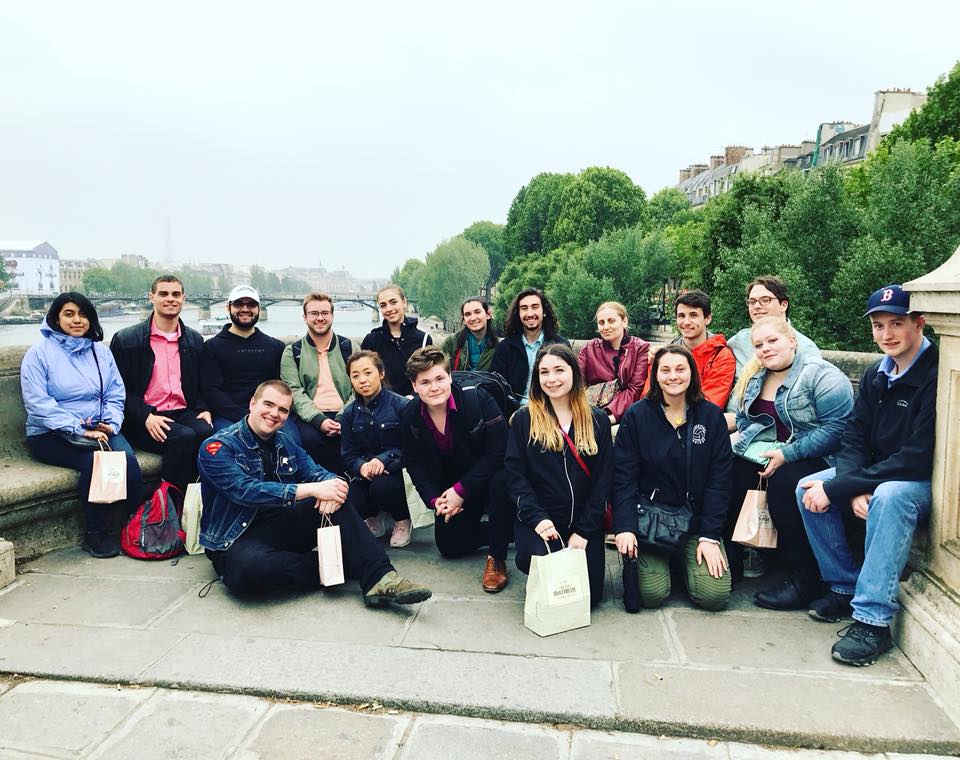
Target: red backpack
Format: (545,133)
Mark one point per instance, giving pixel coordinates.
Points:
(153,531)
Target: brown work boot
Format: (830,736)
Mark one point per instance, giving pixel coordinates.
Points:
(494,575)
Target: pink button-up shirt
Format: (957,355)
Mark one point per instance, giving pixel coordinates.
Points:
(165,391)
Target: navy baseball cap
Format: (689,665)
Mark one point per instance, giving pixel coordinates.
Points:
(891,298)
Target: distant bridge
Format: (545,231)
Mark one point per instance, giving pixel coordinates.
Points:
(206,300)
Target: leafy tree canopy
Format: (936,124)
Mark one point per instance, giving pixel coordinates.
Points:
(939,116)
(455,270)
(489,236)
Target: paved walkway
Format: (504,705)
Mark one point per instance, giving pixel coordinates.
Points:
(744,675)
(142,723)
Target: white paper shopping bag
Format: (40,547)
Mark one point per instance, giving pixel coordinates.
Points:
(421,516)
(330,553)
(192,512)
(558,593)
(108,482)
(754,524)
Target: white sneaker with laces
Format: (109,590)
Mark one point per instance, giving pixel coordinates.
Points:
(402,530)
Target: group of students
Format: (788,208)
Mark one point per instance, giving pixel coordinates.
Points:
(596,434)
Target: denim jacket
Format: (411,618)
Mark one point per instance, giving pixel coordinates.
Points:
(232,484)
(815,402)
(372,430)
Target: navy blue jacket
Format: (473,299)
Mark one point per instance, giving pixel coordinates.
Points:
(510,360)
(369,431)
(891,433)
(649,455)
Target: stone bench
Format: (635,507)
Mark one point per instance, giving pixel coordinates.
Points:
(38,502)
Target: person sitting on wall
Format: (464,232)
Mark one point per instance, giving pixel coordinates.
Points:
(883,473)
(473,345)
(264,499)
(453,442)
(238,358)
(396,339)
(72,390)
(558,464)
(159,360)
(315,368)
(531,323)
(716,363)
(615,356)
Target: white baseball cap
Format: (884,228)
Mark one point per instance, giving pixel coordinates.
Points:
(243,291)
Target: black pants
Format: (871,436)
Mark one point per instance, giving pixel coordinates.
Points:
(792,543)
(179,451)
(323,449)
(467,532)
(276,552)
(382,494)
(530,544)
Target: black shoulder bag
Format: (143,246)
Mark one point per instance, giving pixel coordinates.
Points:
(663,527)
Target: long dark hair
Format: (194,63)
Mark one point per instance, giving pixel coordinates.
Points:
(94,333)
(491,338)
(694,391)
(513,325)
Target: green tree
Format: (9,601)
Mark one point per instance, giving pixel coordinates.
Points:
(531,271)
(598,200)
(407,276)
(939,116)
(690,247)
(571,290)
(533,215)
(669,207)
(456,269)
(99,281)
(4,274)
(489,236)
(871,264)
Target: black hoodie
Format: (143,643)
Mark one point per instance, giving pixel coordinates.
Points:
(396,351)
(233,367)
(649,454)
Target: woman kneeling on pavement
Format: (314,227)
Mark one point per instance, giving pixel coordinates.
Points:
(74,395)
(799,404)
(558,463)
(370,448)
(650,461)
(616,357)
(453,443)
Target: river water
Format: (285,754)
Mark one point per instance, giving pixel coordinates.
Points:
(283,319)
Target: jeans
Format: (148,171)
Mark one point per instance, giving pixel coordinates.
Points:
(50,448)
(894,511)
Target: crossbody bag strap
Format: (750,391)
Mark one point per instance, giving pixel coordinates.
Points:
(576,454)
(689,460)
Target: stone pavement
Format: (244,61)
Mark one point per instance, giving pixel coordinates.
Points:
(142,723)
(743,675)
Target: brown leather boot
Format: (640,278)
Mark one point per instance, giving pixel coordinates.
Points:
(494,575)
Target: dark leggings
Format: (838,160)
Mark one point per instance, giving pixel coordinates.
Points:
(530,544)
(466,532)
(50,448)
(385,493)
(792,543)
(276,552)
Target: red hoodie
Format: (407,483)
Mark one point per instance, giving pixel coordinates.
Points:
(717,367)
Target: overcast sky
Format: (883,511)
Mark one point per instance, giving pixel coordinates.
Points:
(362,134)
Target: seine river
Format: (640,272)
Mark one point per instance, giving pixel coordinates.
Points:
(283,319)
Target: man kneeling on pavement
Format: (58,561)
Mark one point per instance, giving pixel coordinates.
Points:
(264,499)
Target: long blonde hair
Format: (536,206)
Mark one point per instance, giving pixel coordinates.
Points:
(544,425)
(754,366)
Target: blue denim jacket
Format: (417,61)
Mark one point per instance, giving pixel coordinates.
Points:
(815,402)
(372,430)
(232,484)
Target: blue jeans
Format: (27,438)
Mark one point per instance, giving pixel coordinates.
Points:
(50,448)
(894,511)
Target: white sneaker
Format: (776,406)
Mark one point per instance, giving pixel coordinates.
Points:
(375,524)
(402,530)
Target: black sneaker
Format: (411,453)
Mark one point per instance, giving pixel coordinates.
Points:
(100,544)
(831,608)
(790,595)
(861,644)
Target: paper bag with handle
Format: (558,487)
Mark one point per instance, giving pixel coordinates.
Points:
(330,553)
(754,525)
